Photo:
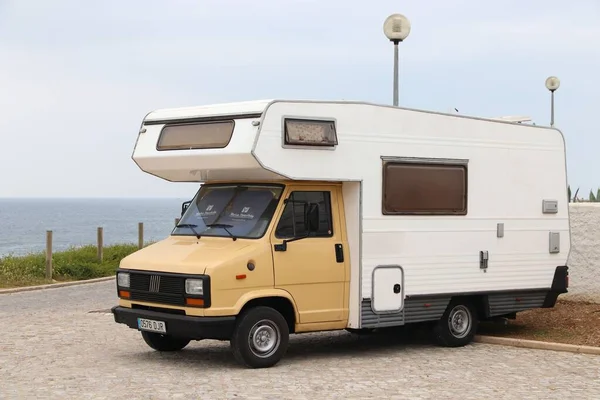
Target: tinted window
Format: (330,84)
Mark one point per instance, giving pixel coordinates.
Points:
(207,135)
(240,210)
(291,223)
(411,188)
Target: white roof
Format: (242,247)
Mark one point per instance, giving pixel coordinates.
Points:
(258,107)
(237,108)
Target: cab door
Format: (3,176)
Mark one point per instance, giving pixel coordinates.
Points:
(312,266)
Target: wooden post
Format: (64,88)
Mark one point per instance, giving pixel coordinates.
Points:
(140,235)
(100,243)
(49,255)
(177,221)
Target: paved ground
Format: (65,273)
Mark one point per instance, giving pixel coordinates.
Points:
(52,346)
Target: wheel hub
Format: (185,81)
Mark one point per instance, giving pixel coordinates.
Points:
(459,321)
(264,338)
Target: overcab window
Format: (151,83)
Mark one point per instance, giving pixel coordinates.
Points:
(203,135)
(424,188)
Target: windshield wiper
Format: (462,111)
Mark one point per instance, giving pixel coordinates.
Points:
(191,226)
(224,226)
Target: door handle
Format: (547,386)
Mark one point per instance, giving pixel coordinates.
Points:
(397,288)
(339,253)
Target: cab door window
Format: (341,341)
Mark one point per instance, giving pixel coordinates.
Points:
(291,224)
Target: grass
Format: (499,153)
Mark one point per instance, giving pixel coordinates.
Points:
(69,265)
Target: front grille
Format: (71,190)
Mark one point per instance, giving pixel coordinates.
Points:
(157,283)
(157,288)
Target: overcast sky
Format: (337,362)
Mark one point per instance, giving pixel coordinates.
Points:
(78,76)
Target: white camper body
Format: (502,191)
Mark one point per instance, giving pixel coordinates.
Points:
(503,243)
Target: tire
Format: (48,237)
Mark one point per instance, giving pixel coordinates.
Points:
(164,343)
(458,325)
(260,324)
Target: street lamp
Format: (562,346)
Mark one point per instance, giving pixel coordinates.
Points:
(552,83)
(396,27)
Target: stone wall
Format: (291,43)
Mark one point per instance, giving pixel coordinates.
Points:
(584,260)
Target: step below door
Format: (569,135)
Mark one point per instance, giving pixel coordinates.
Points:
(388,289)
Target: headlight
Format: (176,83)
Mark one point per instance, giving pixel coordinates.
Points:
(194,286)
(123,279)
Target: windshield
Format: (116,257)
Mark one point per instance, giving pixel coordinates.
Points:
(238,210)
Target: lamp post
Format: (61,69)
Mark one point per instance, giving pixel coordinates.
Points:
(552,83)
(396,27)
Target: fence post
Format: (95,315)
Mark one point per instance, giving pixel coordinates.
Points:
(140,235)
(49,255)
(100,243)
(177,221)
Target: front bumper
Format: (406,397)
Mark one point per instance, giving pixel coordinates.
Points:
(220,328)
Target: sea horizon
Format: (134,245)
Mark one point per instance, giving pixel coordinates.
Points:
(74,221)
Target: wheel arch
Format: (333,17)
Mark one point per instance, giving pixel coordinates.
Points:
(479,301)
(282,302)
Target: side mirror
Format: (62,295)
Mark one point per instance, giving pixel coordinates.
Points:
(311,217)
(184,206)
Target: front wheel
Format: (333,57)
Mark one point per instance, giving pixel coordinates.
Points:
(163,342)
(458,324)
(260,337)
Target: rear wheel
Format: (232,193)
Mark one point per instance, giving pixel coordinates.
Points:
(260,337)
(458,324)
(163,342)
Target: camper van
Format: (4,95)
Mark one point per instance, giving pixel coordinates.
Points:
(331,215)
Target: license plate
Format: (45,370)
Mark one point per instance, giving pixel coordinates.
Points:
(152,325)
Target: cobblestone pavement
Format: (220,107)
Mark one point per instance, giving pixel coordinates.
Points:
(53,345)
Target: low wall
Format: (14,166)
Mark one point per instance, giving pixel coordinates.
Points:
(584,260)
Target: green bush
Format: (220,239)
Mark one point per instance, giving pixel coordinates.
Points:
(592,198)
(72,264)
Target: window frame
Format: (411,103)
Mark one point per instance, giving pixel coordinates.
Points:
(327,194)
(438,162)
(197,147)
(308,146)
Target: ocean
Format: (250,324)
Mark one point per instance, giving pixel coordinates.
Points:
(74,222)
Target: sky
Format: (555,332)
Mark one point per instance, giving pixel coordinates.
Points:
(78,77)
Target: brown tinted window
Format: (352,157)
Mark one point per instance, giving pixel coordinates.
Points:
(411,188)
(207,135)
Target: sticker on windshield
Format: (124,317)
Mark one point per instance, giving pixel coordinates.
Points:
(243,214)
(208,211)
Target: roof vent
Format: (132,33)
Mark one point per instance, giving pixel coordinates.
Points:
(513,118)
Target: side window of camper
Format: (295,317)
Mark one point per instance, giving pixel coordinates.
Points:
(424,188)
(291,224)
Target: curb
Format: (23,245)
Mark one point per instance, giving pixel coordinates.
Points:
(534,344)
(55,285)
